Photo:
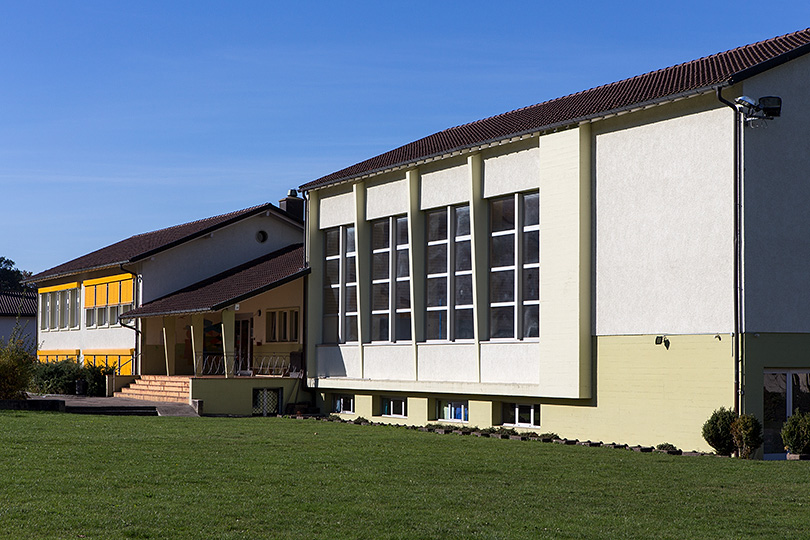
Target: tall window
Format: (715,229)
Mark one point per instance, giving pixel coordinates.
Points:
(449,274)
(514,261)
(282,325)
(59,309)
(340,285)
(390,280)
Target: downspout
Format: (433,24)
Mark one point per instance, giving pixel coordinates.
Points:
(738,343)
(304,311)
(138,333)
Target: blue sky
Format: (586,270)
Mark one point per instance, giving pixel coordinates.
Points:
(118,118)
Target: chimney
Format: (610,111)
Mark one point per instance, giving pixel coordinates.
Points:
(293,204)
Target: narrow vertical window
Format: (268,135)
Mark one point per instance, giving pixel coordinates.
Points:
(449,274)
(44,311)
(339,286)
(390,280)
(514,262)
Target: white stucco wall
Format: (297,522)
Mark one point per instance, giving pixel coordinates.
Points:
(664,223)
(777,204)
(387,197)
(175,268)
(450,362)
(336,207)
(392,362)
(444,183)
(512,168)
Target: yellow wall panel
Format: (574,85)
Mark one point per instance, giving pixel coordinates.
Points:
(62,287)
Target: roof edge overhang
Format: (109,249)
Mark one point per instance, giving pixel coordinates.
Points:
(74,272)
(769,64)
(224,304)
(512,137)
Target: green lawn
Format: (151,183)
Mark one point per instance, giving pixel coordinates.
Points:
(73,476)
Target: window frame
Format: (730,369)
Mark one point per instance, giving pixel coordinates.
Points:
(518,267)
(534,413)
(462,405)
(451,274)
(390,401)
(339,402)
(393,312)
(282,325)
(347,249)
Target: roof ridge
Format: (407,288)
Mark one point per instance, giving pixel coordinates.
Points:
(721,68)
(170,227)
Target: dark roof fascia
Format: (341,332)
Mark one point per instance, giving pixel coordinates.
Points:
(126,315)
(278,283)
(208,230)
(557,126)
(769,64)
(75,272)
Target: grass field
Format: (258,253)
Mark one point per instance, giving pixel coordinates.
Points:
(74,476)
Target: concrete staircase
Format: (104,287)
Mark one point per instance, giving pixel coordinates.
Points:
(172,388)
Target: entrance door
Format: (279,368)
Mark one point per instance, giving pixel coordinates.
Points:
(243,343)
(784,393)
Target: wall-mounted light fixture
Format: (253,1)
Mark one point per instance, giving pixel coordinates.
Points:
(662,340)
(765,108)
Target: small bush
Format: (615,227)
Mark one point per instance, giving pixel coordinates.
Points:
(746,431)
(549,435)
(666,447)
(796,433)
(359,420)
(16,363)
(717,431)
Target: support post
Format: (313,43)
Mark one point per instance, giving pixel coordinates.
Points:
(228,346)
(197,340)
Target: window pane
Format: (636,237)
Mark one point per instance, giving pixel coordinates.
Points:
(402,231)
(330,302)
(436,324)
(272,324)
(531,321)
(332,242)
(502,214)
(437,259)
(379,268)
(502,251)
(502,286)
(90,317)
(437,225)
(462,220)
(63,309)
(403,322)
(524,414)
(379,296)
(379,234)
(464,324)
(531,209)
(351,298)
(330,329)
(294,325)
(351,328)
(113,314)
(351,269)
(403,295)
(464,293)
(331,274)
(101,316)
(775,411)
(350,239)
(437,292)
(379,327)
(403,267)
(502,322)
(531,284)
(801,392)
(463,256)
(509,413)
(531,247)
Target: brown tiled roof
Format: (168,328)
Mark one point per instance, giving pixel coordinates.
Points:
(145,245)
(18,303)
(720,69)
(231,286)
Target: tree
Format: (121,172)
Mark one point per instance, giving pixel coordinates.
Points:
(11,277)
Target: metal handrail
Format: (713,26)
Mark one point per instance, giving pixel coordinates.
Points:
(277,364)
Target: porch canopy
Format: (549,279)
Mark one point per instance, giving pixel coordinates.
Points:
(230,287)
(220,293)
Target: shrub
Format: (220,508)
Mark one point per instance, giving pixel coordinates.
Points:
(666,447)
(796,433)
(57,377)
(717,431)
(16,362)
(746,431)
(549,435)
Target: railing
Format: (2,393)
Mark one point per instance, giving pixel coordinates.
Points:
(277,365)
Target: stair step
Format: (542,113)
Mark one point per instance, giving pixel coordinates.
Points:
(112,410)
(158,388)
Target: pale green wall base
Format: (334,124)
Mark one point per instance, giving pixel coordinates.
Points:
(644,394)
(222,396)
